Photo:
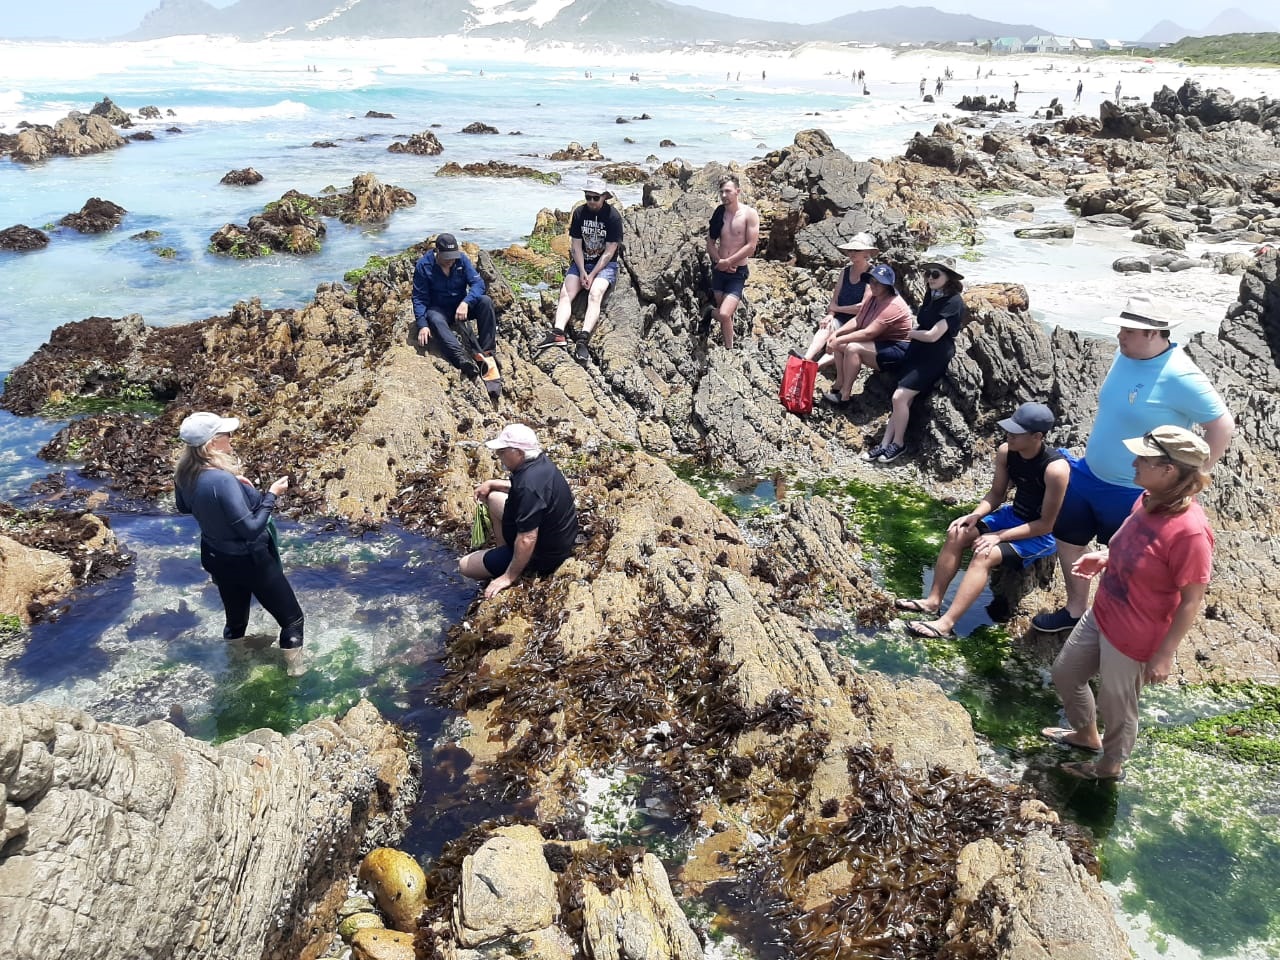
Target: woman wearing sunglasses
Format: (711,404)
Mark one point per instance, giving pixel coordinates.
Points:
(929,352)
(1154,575)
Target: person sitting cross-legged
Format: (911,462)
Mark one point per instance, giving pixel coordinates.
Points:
(1017,534)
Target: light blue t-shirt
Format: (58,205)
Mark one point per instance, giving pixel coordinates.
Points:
(1139,395)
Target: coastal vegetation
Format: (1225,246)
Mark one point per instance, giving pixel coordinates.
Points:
(1236,49)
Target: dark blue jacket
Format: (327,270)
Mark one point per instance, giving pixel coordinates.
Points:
(232,515)
(434,290)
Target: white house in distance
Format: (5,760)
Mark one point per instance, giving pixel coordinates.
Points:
(1048,44)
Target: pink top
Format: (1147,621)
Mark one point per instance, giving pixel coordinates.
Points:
(1153,556)
(886,318)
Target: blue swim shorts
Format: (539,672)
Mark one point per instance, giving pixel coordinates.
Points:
(730,284)
(1022,552)
(1092,507)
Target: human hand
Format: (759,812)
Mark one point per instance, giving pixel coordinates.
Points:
(424,335)
(461,312)
(960,524)
(483,490)
(1158,668)
(1091,564)
(497,585)
(243,479)
(280,486)
(988,541)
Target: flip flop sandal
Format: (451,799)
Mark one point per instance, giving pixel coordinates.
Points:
(1062,737)
(921,628)
(911,605)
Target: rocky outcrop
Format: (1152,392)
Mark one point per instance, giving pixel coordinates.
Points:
(244,177)
(1012,902)
(31,580)
(76,135)
(624,173)
(151,113)
(497,168)
(478,127)
(576,151)
(943,148)
(96,216)
(49,552)
(378,115)
(290,224)
(424,144)
(22,238)
(983,104)
(106,109)
(127,841)
(371,201)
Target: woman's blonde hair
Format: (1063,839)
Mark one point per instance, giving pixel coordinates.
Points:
(1178,497)
(195,459)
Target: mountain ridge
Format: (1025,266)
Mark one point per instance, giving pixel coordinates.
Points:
(619,21)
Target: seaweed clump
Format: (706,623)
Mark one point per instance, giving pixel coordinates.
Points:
(899,841)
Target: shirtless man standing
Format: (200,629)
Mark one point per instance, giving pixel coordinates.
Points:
(735,231)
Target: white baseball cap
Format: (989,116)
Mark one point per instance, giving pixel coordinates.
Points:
(199,428)
(517,437)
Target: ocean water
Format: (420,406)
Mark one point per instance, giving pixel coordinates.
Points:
(146,643)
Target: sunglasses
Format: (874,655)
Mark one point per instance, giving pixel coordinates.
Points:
(933,274)
(594,196)
(1148,438)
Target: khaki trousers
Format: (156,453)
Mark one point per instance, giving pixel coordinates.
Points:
(1088,653)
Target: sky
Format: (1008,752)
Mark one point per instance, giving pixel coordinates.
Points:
(87,19)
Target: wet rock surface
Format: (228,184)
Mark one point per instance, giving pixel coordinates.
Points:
(22,238)
(96,216)
(424,144)
(478,127)
(87,804)
(496,168)
(244,177)
(75,135)
(576,151)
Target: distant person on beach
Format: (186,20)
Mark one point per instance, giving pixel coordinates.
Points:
(1016,88)
(1000,534)
(535,520)
(731,241)
(1154,577)
(1151,382)
(876,337)
(847,296)
(448,290)
(933,344)
(1079,89)
(1117,92)
(595,236)
(237,538)
(937,87)
(922,86)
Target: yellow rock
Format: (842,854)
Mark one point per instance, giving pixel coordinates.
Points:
(398,886)
(353,924)
(382,945)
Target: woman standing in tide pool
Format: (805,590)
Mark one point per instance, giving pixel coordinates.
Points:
(932,345)
(237,546)
(1154,576)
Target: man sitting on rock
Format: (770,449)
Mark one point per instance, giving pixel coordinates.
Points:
(535,520)
(447,289)
(998,533)
(595,234)
(1151,383)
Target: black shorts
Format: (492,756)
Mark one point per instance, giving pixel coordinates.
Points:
(498,559)
(730,284)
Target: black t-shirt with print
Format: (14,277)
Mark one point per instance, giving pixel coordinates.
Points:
(595,229)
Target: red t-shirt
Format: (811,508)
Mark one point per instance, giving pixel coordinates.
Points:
(1153,556)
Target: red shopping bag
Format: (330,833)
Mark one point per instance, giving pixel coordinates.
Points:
(798,380)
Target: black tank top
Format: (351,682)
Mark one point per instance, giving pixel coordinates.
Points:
(1028,481)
